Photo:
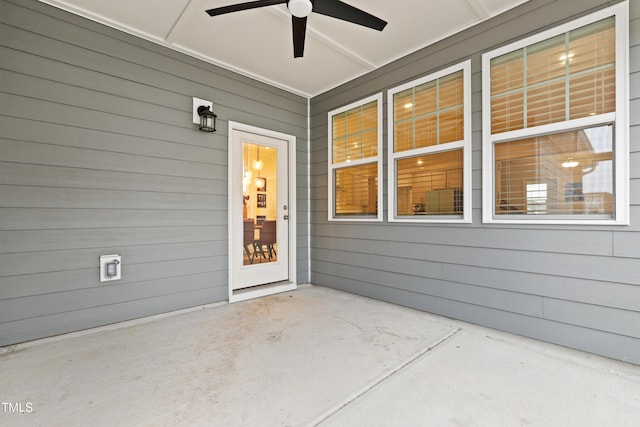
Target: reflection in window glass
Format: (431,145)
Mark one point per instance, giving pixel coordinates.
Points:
(568,173)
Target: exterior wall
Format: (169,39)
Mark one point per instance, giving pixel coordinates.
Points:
(98,155)
(577,286)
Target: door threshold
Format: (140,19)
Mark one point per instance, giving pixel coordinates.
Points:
(261,291)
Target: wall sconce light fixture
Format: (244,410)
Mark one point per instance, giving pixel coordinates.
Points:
(207,119)
(203,116)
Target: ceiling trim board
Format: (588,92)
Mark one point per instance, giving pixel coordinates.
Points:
(341,48)
(103,20)
(396,58)
(327,41)
(479,11)
(238,70)
(173,46)
(479,8)
(179,22)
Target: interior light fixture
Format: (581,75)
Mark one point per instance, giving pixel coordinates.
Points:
(565,57)
(570,163)
(408,105)
(300,8)
(246,179)
(257,163)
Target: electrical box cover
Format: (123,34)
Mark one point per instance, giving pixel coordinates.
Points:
(110,267)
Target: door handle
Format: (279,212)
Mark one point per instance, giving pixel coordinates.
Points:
(286,217)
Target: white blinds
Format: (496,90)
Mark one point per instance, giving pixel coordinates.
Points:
(430,184)
(354,161)
(356,190)
(565,77)
(429,114)
(355,134)
(568,173)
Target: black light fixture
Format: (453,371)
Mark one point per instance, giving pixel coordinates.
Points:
(207,119)
(203,115)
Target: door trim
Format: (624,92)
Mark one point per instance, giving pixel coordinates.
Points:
(270,289)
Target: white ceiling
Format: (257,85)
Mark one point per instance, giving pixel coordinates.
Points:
(258,42)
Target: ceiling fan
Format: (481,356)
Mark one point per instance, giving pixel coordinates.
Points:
(300,9)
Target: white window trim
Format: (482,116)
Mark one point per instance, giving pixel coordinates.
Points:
(377,159)
(620,118)
(465,144)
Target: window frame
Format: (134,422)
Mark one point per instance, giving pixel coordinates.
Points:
(369,160)
(619,119)
(464,144)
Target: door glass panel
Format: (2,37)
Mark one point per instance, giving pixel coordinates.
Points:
(259,210)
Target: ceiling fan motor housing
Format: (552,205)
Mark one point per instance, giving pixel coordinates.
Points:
(300,8)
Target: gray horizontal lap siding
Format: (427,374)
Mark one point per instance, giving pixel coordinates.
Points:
(577,286)
(98,155)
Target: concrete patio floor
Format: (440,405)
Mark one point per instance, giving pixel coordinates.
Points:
(314,356)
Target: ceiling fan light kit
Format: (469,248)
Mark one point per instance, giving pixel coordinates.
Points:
(301,9)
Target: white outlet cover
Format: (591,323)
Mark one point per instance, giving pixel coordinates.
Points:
(107,259)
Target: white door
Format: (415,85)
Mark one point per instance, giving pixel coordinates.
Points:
(260,210)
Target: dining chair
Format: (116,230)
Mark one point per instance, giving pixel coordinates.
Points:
(267,239)
(249,240)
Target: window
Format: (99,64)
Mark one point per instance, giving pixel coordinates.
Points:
(355,167)
(430,148)
(555,131)
(537,197)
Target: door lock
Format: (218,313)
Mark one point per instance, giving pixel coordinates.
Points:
(286,217)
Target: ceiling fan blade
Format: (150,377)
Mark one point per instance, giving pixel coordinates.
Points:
(345,12)
(243,6)
(299,26)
